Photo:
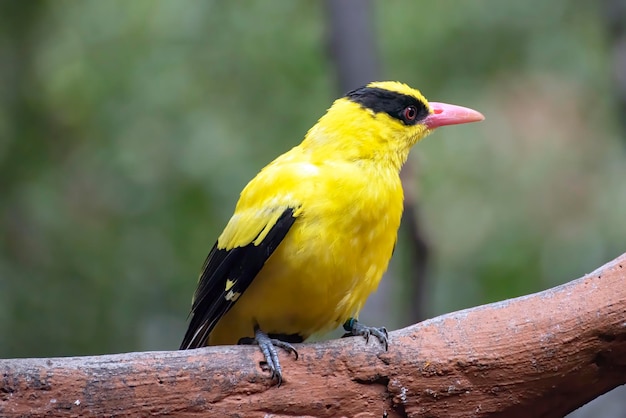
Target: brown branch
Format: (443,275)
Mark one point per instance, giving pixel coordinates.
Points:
(539,355)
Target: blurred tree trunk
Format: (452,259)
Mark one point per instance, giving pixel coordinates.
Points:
(615,18)
(26,118)
(352,46)
(351,42)
(418,251)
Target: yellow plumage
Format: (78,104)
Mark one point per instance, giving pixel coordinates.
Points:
(342,186)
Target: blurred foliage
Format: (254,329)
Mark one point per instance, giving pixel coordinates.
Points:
(127,130)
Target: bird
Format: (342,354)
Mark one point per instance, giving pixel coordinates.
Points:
(313,232)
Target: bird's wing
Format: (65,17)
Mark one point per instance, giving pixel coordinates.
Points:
(236,258)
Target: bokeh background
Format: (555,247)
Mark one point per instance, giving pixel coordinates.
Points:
(127,130)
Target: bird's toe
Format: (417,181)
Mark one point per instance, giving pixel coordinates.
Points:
(354,327)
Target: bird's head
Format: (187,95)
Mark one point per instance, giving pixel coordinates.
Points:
(382,121)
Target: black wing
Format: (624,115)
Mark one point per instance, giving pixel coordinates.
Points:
(239,266)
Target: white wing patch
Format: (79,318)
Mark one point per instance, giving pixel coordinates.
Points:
(232,296)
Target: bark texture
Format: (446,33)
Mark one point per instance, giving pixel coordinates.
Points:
(541,355)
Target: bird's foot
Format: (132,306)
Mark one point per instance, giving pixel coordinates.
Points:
(268,348)
(354,327)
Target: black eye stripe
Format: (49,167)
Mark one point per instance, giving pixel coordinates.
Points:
(392,103)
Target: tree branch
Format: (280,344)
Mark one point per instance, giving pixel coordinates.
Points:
(543,355)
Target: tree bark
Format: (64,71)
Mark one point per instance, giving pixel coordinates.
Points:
(541,355)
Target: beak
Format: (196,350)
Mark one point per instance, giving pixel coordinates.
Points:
(446,114)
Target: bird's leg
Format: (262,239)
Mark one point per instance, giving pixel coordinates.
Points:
(268,348)
(354,327)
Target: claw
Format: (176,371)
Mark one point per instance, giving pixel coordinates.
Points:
(354,327)
(268,348)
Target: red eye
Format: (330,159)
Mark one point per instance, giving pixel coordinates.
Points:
(409,113)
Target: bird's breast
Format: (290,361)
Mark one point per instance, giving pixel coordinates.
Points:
(341,245)
(330,261)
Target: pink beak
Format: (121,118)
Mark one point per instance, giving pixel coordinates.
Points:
(446,114)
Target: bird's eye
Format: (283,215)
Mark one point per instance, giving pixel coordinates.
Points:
(409,113)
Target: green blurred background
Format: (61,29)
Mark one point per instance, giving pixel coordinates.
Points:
(127,130)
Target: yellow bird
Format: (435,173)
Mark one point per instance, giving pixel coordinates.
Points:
(313,232)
